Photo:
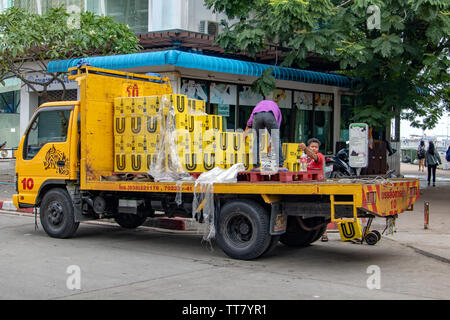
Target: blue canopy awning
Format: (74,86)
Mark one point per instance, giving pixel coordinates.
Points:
(203,62)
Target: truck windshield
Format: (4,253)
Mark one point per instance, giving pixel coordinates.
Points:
(48,126)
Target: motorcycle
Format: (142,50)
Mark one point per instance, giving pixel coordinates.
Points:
(336,166)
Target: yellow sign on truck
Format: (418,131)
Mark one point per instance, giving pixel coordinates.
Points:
(75,159)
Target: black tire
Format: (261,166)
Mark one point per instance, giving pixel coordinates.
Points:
(129,221)
(371,238)
(243,229)
(57,214)
(296,236)
(377,233)
(319,234)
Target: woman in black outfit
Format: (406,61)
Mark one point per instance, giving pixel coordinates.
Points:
(432,159)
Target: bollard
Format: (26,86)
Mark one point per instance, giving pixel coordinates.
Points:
(426,214)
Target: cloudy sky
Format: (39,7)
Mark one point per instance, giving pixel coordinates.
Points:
(442,128)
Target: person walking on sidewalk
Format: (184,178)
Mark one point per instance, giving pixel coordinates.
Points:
(421,155)
(266,115)
(432,160)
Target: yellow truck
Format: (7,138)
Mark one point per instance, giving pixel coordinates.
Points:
(65,166)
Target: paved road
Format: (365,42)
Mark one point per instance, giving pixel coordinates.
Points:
(150,264)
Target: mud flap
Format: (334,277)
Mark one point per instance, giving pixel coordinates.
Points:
(278,220)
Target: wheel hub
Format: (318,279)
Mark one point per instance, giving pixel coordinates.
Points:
(55,213)
(240,229)
(244,228)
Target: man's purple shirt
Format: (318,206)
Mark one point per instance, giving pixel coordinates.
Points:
(267,106)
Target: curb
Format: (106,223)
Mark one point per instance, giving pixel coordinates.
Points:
(9,206)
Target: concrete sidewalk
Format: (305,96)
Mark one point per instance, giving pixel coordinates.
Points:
(434,241)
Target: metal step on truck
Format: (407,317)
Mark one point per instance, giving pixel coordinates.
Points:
(90,159)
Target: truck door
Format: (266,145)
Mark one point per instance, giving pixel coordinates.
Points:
(45,153)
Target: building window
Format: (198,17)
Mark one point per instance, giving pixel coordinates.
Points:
(9,102)
(323,121)
(41,6)
(347,104)
(247,101)
(303,102)
(133,13)
(284,100)
(223,103)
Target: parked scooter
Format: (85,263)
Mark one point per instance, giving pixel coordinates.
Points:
(337,165)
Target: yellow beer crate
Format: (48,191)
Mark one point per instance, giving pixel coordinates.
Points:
(177,101)
(152,123)
(120,107)
(183,121)
(192,162)
(195,105)
(153,104)
(119,144)
(147,143)
(291,152)
(211,122)
(133,163)
(225,142)
(210,140)
(130,143)
(120,163)
(209,160)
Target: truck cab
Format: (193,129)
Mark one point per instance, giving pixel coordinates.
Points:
(48,153)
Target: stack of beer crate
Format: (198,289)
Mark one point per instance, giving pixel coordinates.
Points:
(140,124)
(137,133)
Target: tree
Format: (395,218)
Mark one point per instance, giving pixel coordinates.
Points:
(402,65)
(29,41)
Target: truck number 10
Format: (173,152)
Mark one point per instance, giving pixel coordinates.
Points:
(27,183)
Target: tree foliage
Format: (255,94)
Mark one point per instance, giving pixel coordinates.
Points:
(28,41)
(401,66)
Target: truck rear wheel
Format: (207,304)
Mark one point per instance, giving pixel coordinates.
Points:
(296,236)
(57,214)
(243,229)
(130,221)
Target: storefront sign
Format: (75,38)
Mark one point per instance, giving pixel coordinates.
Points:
(303,100)
(248,98)
(223,93)
(194,89)
(322,102)
(283,98)
(55,85)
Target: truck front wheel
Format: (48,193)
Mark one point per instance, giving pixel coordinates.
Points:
(57,214)
(243,229)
